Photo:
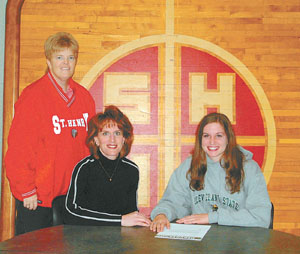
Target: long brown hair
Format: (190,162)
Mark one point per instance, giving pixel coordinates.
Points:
(111,116)
(231,161)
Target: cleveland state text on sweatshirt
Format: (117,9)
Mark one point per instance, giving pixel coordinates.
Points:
(251,207)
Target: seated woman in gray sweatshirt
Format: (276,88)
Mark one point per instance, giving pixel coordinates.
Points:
(219,183)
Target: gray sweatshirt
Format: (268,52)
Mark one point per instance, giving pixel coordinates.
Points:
(251,207)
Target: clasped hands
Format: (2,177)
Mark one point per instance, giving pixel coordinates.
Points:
(139,219)
(135,219)
(161,221)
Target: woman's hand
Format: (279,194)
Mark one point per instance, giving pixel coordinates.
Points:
(135,219)
(31,202)
(159,223)
(194,219)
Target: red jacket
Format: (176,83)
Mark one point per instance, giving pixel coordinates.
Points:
(41,151)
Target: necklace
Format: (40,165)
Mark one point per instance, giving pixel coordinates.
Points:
(109,177)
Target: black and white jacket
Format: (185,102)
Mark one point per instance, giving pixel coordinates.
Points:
(93,199)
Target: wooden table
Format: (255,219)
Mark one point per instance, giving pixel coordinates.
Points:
(87,239)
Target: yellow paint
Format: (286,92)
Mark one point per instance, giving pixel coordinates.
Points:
(143,161)
(131,90)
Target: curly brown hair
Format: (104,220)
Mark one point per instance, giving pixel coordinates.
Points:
(111,116)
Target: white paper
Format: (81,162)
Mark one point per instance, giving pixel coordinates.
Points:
(184,232)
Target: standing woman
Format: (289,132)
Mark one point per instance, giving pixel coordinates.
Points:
(47,135)
(220,183)
(103,189)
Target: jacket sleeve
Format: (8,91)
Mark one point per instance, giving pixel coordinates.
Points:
(22,145)
(92,106)
(256,211)
(176,201)
(76,211)
(132,193)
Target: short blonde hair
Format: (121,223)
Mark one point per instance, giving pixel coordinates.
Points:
(60,41)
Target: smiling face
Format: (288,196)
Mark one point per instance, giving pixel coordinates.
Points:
(62,66)
(110,141)
(214,140)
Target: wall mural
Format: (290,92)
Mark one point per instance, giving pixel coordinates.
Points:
(165,82)
(203,82)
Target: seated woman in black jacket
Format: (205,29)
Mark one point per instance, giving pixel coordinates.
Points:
(103,188)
